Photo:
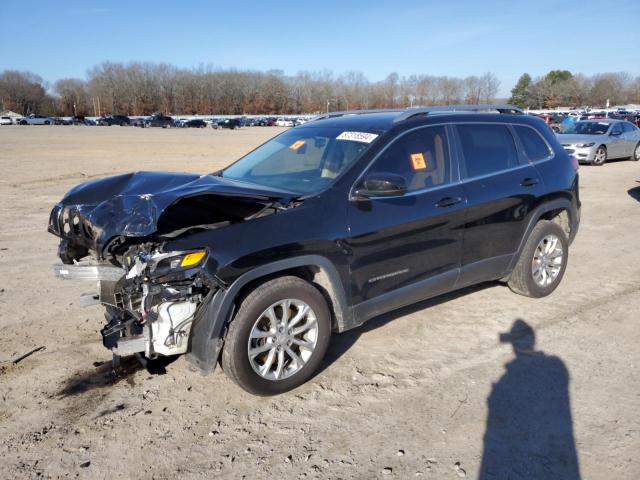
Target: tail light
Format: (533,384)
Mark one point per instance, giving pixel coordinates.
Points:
(574,162)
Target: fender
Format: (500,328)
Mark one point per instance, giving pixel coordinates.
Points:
(537,213)
(207,334)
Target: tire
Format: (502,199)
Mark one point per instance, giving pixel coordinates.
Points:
(522,279)
(47,122)
(251,312)
(635,156)
(600,157)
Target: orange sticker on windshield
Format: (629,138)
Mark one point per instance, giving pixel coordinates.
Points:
(417,161)
(296,145)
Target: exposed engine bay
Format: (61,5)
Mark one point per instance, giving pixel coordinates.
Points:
(150,303)
(113,232)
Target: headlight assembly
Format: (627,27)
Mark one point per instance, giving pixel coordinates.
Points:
(585,145)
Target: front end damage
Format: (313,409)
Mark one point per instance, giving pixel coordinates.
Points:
(113,231)
(151,302)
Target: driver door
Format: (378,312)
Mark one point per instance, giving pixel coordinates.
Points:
(406,247)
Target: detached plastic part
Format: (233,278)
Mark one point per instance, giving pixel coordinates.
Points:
(88,271)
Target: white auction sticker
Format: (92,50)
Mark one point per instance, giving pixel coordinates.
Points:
(363,137)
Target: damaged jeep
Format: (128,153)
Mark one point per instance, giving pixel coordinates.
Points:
(316,231)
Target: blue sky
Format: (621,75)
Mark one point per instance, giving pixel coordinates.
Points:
(458,38)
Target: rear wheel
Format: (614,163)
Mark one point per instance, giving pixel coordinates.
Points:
(278,337)
(542,262)
(601,156)
(636,153)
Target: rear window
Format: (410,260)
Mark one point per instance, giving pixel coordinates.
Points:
(487,148)
(534,145)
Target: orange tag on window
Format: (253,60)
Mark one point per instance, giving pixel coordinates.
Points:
(417,161)
(296,145)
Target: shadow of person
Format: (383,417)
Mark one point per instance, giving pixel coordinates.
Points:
(529,433)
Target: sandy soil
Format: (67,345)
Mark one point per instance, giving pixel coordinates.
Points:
(403,397)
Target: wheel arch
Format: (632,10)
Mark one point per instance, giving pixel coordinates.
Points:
(560,211)
(209,329)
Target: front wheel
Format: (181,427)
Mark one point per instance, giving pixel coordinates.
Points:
(278,337)
(600,157)
(542,262)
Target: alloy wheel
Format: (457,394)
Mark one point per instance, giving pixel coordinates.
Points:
(547,260)
(283,339)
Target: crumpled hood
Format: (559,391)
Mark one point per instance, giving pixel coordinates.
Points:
(132,204)
(571,139)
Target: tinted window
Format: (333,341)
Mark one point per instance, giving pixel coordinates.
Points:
(617,127)
(420,156)
(628,127)
(487,148)
(534,145)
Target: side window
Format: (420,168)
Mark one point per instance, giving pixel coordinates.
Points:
(487,148)
(628,127)
(617,127)
(421,157)
(534,145)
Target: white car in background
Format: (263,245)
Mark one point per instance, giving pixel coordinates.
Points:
(37,120)
(283,122)
(6,121)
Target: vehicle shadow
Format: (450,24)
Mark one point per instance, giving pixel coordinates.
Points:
(529,429)
(634,192)
(341,343)
(105,375)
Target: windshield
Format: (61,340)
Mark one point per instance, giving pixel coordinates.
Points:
(588,128)
(302,160)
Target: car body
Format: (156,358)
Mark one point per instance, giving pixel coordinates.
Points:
(37,120)
(158,120)
(596,141)
(230,123)
(194,123)
(109,120)
(318,230)
(284,122)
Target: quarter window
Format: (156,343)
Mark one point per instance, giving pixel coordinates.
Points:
(420,156)
(487,148)
(534,145)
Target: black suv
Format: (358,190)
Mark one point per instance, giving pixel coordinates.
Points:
(158,120)
(121,120)
(318,230)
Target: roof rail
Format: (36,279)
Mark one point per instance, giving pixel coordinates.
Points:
(501,108)
(406,113)
(342,113)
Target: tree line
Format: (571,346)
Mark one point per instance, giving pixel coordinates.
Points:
(144,88)
(139,88)
(561,88)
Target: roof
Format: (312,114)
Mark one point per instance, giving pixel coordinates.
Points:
(382,120)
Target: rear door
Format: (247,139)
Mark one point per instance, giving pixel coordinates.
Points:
(630,136)
(408,247)
(501,188)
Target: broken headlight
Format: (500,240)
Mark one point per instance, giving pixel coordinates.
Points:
(179,262)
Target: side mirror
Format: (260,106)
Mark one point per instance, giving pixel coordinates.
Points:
(382,185)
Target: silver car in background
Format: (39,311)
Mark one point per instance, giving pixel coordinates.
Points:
(596,141)
(37,120)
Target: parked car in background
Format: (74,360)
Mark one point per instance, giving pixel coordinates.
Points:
(195,123)
(81,120)
(109,120)
(6,121)
(37,120)
(159,120)
(596,141)
(317,231)
(230,123)
(284,122)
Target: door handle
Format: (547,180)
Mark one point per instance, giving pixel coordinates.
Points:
(529,182)
(448,201)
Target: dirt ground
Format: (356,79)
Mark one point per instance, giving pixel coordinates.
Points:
(404,396)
